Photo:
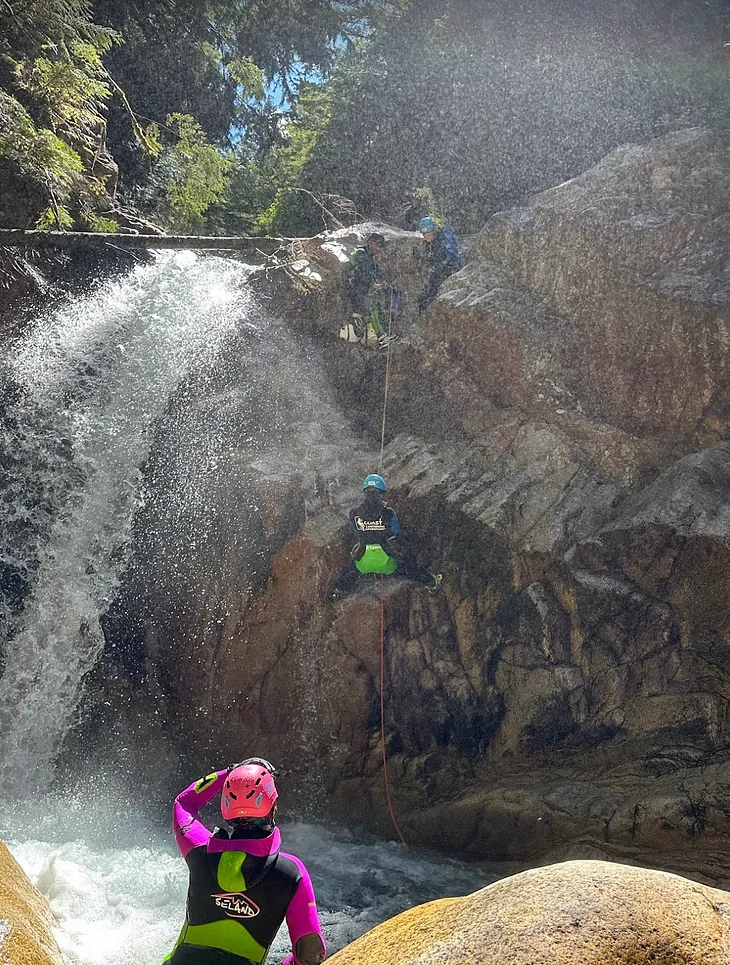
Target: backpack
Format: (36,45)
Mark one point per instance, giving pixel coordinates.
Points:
(450,247)
(350,269)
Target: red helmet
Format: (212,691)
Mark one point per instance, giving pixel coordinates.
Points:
(249,791)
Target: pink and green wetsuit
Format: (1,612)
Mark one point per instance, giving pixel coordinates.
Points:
(240,891)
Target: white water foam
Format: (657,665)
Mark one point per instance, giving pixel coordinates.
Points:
(121,902)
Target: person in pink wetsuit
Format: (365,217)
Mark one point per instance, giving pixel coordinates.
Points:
(242,886)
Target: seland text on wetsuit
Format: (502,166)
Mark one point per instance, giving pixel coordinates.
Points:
(376,526)
(374,523)
(240,891)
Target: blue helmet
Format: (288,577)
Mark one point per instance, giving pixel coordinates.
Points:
(374,481)
(427,224)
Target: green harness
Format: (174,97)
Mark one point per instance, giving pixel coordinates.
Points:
(376,560)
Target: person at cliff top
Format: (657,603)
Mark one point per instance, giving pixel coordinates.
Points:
(241,885)
(374,300)
(377,527)
(440,255)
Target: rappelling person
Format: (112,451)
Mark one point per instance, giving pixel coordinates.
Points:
(241,885)
(440,254)
(377,527)
(375,302)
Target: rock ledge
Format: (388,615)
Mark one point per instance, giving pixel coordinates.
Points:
(576,913)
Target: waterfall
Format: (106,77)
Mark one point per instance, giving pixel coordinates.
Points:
(146,413)
(84,386)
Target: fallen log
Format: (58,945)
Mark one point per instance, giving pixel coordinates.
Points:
(18,238)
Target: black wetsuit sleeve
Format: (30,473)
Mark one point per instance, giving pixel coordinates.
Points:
(361,280)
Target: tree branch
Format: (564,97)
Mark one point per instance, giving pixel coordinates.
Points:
(319,203)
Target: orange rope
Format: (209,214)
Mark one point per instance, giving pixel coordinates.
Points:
(382,604)
(385,395)
(382,713)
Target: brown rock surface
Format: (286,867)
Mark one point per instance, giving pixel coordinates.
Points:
(635,266)
(576,913)
(556,445)
(26,921)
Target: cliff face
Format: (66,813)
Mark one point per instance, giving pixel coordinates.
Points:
(556,445)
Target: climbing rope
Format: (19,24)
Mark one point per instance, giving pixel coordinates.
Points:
(387,383)
(382,714)
(382,601)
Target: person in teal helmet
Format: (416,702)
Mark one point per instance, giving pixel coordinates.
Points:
(440,255)
(377,527)
(375,302)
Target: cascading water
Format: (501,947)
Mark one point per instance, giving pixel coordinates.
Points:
(118,892)
(88,382)
(87,388)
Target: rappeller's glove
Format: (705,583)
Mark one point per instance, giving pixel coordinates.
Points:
(309,950)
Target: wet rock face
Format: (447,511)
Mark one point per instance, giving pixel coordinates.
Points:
(576,913)
(622,276)
(556,446)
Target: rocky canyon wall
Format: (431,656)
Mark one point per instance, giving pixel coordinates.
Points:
(556,444)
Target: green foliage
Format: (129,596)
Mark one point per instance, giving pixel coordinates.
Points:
(70,98)
(194,174)
(220,62)
(97,222)
(30,26)
(249,190)
(476,103)
(207,69)
(482,104)
(426,205)
(39,154)
(55,218)
(285,165)
(150,140)
(52,96)
(248,77)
